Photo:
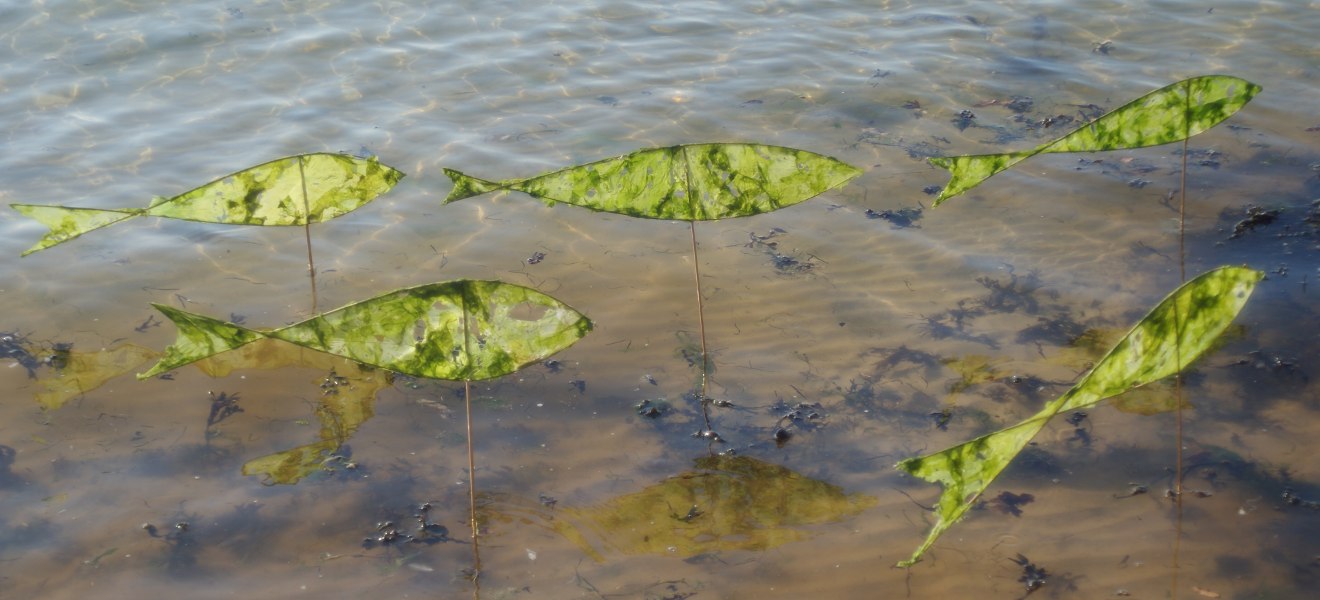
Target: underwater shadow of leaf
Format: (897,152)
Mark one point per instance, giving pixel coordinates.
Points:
(724,503)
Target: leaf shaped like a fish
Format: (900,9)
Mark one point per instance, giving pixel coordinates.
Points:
(1155,348)
(695,182)
(295,190)
(456,330)
(726,503)
(1169,114)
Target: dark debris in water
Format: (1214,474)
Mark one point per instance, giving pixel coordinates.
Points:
(964,120)
(1134,489)
(788,263)
(952,324)
(1017,104)
(1291,498)
(1059,330)
(1019,293)
(942,418)
(1254,216)
(31,355)
(422,531)
(802,416)
(1273,364)
(180,538)
(1059,120)
(1204,157)
(1033,576)
(652,409)
(223,406)
(709,435)
(901,218)
(15,347)
(1020,104)
(151,321)
(915,150)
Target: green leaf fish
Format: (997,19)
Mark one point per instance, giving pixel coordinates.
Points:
(1158,346)
(295,190)
(454,330)
(696,182)
(1169,114)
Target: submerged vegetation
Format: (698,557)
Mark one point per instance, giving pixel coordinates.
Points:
(468,330)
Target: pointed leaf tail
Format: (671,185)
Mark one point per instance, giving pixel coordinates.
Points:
(66,223)
(466,186)
(970,170)
(198,337)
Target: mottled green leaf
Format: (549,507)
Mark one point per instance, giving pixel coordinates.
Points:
(1155,348)
(454,330)
(725,503)
(295,190)
(1169,114)
(694,182)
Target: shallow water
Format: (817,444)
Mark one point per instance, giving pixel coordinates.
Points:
(107,104)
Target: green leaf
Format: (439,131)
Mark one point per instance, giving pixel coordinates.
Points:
(689,183)
(454,330)
(1155,348)
(295,190)
(1169,114)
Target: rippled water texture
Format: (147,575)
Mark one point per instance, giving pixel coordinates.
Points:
(985,307)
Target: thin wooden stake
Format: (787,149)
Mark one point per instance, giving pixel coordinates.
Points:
(1177,340)
(307,231)
(701,325)
(472,464)
(472,491)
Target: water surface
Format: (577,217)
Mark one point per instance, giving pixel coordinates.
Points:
(107,104)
